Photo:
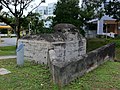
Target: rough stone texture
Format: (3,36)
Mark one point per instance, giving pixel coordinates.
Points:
(68,45)
(65,72)
(62,26)
(36,50)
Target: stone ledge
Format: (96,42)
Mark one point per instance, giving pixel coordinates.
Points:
(64,72)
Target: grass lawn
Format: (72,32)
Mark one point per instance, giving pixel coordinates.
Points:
(95,43)
(117,54)
(7,50)
(117,42)
(37,77)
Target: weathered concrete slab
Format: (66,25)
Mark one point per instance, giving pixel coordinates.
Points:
(4,71)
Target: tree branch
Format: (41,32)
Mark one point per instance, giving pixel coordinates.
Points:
(36,7)
(26,4)
(7,6)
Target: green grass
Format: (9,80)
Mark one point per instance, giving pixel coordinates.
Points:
(106,77)
(7,50)
(117,42)
(95,43)
(38,77)
(29,77)
(117,55)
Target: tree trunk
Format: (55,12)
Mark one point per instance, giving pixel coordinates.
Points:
(17,29)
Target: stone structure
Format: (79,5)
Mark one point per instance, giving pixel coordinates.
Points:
(67,43)
(65,53)
(65,72)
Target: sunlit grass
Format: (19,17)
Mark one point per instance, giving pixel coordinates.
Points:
(37,77)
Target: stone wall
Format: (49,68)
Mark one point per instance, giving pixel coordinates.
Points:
(68,46)
(65,72)
(35,50)
(70,50)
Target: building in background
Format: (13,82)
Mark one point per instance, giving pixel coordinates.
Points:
(51,8)
(6,30)
(106,26)
(42,10)
(46,12)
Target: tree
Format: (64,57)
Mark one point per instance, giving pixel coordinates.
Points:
(112,8)
(16,8)
(67,11)
(36,23)
(91,9)
(32,22)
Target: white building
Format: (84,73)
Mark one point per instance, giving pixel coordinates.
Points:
(42,10)
(45,12)
(105,26)
(51,8)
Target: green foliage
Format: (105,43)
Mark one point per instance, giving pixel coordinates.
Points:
(46,30)
(113,9)
(32,21)
(89,10)
(82,32)
(67,11)
(116,41)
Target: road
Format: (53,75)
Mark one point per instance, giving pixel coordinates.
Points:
(8,42)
